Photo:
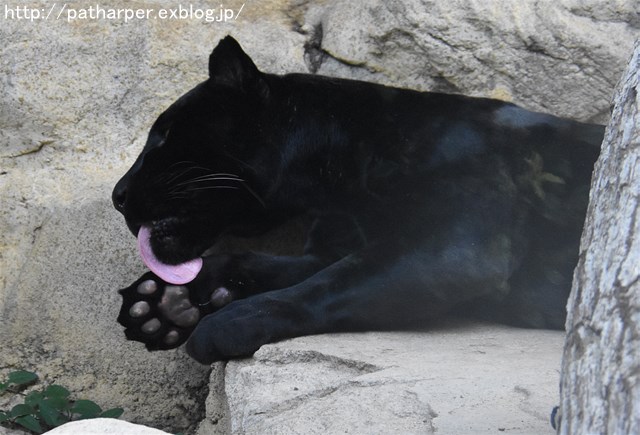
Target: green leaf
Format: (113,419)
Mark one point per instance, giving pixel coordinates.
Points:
(50,414)
(20,410)
(59,403)
(56,391)
(112,413)
(33,398)
(30,422)
(22,377)
(3,386)
(4,416)
(86,409)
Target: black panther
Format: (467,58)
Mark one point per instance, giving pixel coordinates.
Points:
(421,204)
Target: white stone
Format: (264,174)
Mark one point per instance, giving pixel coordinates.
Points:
(104,426)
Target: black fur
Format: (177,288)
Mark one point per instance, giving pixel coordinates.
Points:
(422,203)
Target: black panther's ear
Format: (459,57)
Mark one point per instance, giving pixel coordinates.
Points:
(230,66)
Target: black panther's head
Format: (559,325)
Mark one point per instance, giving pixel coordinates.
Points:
(193,179)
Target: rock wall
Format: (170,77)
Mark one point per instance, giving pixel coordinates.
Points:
(78,96)
(600,388)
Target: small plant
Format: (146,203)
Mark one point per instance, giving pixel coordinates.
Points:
(47,408)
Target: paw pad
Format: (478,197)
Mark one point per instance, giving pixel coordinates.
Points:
(221,297)
(157,314)
(139,309)
(147,287)
(172,337)
(176,306)
(151,326)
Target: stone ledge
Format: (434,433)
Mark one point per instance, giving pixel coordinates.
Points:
(462,378)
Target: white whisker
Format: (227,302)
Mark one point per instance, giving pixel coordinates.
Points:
(206,178)
(175,177)
(209,188)
(182,189)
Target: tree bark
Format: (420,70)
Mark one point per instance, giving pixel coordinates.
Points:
(600,379)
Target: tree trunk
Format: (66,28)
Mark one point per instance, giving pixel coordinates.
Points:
(600,380)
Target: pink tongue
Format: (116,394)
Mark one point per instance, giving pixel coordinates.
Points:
(171,273)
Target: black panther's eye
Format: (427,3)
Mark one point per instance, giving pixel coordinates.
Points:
(157,139)
(165,135)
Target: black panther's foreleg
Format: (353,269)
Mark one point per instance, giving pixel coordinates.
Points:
(162,315)
(386,287)
(332,236)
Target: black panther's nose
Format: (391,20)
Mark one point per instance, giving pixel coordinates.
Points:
(119,196)
(122,202)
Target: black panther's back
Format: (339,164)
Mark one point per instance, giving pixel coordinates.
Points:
(432,157)
(554,182)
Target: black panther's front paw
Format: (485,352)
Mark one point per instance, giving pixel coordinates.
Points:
(161,315)
(238,330)
(243,326)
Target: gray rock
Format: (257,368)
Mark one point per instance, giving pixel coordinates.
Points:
(456,379)
(5,431)
(599,386)
(561,57)
(77,98)
(59,320)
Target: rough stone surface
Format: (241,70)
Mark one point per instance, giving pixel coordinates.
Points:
(5,431)
(456,379)
(104,426)
(601,363)
(76,100)
(550,56)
